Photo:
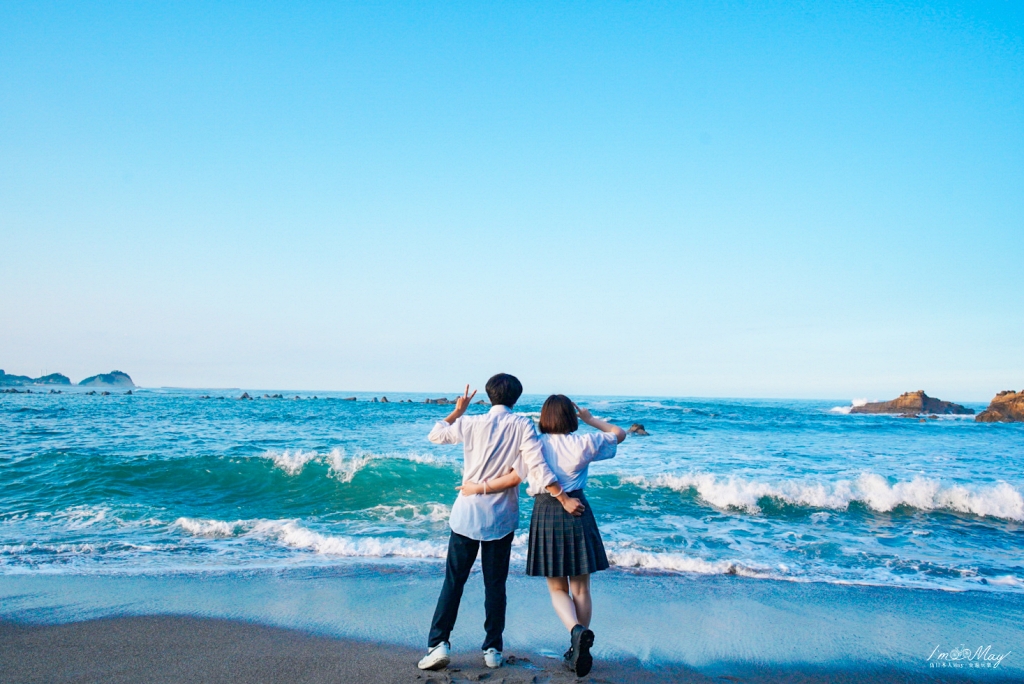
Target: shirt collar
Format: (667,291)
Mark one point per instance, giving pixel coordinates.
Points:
(500,408)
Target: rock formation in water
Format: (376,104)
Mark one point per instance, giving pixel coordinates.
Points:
(1006,407)
(111,379)
(914,403)
(442,400)
(638,429)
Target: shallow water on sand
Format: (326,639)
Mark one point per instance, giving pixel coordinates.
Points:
(164,480)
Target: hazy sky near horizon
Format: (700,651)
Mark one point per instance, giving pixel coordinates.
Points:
(700,199)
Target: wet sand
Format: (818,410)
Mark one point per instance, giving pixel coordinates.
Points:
(187,649)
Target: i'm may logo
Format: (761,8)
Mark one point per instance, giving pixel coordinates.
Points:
(982,657)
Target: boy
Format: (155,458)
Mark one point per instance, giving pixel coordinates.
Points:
(495,443)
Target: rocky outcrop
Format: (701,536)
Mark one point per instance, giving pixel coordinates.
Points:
(914,403)
(442,400)
(1006,407)
(111,379)
(638,429)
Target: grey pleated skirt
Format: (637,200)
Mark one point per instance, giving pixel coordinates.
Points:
(563,545)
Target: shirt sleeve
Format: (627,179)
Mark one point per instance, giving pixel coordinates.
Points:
(532,456)
(443,433)
(601,447)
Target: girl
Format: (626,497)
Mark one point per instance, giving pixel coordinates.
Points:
(566,548)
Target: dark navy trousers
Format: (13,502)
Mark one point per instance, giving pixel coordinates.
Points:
(462,552)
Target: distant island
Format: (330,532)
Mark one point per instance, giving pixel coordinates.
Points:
(111,379)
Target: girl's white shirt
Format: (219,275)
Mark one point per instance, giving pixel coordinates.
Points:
(569,457)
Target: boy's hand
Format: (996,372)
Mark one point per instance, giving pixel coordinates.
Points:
(583,413)
(461,404)
(572,506)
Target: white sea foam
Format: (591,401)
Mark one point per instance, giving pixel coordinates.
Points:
(341,465)
(846,409)
(1006,581)
(78,517)
(292,534)
(675,562)
(998,501)
(292,462)
(430,512)
(212,529)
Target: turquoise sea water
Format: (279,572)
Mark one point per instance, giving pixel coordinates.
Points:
(163,481)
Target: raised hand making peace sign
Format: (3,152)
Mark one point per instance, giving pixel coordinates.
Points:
(461,404)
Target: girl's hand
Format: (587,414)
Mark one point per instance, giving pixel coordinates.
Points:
(584,414)
(470,488)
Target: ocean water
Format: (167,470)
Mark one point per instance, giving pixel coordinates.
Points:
(164,481)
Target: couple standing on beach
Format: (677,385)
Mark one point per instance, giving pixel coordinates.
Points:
(501,450)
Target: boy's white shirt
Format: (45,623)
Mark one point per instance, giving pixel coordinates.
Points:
(494,442)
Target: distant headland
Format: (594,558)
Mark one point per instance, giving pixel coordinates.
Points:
(111,379)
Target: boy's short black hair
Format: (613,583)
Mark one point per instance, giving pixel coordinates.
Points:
(558,416)
(504,389)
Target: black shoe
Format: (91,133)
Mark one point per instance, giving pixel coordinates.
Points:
(580,660)
(567,660)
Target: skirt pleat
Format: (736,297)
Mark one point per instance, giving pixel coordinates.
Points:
(563,545)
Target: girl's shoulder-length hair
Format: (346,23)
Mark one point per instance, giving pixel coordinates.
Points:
(558,416)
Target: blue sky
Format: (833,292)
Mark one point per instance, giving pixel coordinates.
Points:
(717,199)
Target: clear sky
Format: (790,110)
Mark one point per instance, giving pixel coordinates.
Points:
(687,199)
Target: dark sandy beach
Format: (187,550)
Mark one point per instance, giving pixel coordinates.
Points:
(140,650)
(187,649)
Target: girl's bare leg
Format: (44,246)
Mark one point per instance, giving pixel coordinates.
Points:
(580,585)
(563,603)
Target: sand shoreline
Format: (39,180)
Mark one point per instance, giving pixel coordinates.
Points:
(175,648)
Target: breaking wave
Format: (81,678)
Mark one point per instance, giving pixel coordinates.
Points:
(293,535)
(846,409)
(1000,500)
(342,466)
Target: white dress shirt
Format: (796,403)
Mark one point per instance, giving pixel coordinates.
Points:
(495,442)
(569,457)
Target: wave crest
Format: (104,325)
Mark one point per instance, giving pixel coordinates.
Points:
(293,535)
(874,491)
(341,466)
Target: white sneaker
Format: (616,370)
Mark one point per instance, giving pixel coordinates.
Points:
(493,658)
(437,658)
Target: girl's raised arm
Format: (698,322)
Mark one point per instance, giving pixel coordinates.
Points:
(602,425)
